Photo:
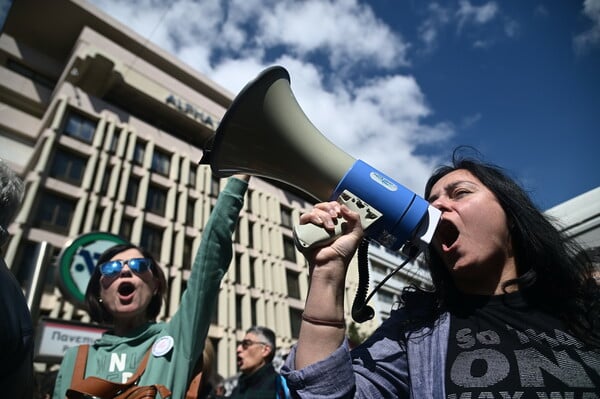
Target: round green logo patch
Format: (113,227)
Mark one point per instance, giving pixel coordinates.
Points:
(77,260)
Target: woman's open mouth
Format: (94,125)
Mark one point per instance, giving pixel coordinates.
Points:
(125,290)
(447,234)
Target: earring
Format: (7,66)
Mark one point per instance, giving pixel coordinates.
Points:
(100,300)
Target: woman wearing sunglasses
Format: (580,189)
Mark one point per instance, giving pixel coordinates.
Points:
(126,290)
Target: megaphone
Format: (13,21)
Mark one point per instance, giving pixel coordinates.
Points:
(265,133)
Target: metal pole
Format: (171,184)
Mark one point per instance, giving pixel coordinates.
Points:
(36,286)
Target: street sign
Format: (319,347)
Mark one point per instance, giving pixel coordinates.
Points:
(77,261)
(55,336)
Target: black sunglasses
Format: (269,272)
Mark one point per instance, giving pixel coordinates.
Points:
(112,268)
(248,342)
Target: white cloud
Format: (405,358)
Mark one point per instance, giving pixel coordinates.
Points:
(345,31)
(468,13)
(468,20)
(469,121)
(589,39)
(429,31)
(511,28)
(335,52)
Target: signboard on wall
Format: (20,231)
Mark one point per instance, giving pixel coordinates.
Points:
(77,260)
(55,336)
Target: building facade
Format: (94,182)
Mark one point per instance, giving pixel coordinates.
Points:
(106,130)
(579,217)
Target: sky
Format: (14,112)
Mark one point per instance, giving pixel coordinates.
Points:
(400,84)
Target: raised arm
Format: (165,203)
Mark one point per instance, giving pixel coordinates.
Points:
(191,321)
(323,329)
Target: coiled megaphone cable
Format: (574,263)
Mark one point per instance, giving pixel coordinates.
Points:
(362,312)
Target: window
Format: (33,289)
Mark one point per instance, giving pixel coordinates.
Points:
(97,219)
(295,321)
(156,200)
(215,313)
(192,176)
(254,311)
(253,261)
(385,296)
(161,162)
(238,268)
(138,152)
(238,311)
(188,244)
(251,235)
(152,239)
(105,180)
(80,127)
(377,267)
(24,264)
(132,191)
(286,217)
(249,202)
(67,166)
(30,73)
(289,249)
(189,212)
(126,228)
(113,142)
(214,186)
(214,367)
(54,212)
(293,284)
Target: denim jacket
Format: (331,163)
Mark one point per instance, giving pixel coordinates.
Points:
(393,362)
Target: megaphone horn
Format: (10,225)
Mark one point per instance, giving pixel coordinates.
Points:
(266,133)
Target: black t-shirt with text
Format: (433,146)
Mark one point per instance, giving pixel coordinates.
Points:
(500,347)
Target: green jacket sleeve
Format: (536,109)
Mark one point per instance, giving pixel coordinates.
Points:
(191,322)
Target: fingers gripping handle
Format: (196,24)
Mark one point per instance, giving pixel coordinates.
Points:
(307,236)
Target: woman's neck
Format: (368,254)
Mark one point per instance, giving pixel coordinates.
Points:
(126,326)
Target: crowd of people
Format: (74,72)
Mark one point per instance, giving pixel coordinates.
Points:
(514,310)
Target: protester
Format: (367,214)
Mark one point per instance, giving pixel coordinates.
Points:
(258,377)
(126,290)
(511,314)
(16,326)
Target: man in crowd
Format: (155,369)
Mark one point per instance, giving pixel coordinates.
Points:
(254,356)
(16,327)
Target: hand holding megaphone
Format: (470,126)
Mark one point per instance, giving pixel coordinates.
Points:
(308,236)
(266,133)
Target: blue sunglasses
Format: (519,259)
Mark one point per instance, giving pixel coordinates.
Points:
(113,268)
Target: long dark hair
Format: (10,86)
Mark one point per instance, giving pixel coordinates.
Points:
(550,274)
(92,294)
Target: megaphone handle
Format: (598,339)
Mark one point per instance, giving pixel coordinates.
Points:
(308,236)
